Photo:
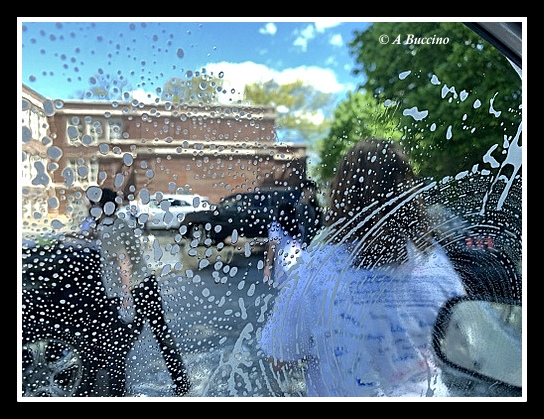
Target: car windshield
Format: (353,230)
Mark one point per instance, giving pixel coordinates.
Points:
(272,207)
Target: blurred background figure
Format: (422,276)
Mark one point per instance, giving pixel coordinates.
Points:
(284,243)
(308,212)
(126,276)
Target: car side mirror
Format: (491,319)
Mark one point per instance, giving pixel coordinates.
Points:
(482,337)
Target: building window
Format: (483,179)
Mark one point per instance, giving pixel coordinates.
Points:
(30,171)
(90,131)
(115,127)
(83,172)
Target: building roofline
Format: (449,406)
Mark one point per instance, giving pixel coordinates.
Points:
(161,109)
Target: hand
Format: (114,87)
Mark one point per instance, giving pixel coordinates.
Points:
(269,259)
(127,299)
(126,310)
(267,275)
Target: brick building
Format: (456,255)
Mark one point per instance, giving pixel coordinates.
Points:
(212,150)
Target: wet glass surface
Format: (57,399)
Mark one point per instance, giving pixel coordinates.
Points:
(206,138)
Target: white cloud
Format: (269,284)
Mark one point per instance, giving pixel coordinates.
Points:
(321,79)
(144,97)
(306,34)
(336,40)
(302,43)
(269,29)
(312,30)
(237,75)
(323,25)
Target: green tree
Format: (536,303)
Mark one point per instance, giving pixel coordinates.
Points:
(105,87)
(301,109)
(361,115)
(457,99)
(196,87)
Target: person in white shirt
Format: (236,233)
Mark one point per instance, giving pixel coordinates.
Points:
(359,305)
(284,243)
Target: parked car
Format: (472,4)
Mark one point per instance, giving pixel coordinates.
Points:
(74,343)
(238,215)
(164,211)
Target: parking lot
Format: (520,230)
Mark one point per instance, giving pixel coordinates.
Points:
(215,302)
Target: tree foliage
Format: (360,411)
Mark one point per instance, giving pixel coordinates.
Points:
(456,100)
(359,116)
(105,87)
(197,87)
(301,109)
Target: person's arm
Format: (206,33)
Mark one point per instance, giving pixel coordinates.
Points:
(269,256)
(125,274)
(274,232)
(286,337)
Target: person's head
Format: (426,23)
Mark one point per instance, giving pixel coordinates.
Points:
(374,201)
(308,191)
(369,173)
(103,201)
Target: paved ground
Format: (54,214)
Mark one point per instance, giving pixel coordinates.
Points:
(215,302)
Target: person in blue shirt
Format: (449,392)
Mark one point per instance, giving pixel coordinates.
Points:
(359,305)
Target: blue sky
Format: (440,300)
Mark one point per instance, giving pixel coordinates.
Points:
(58,59)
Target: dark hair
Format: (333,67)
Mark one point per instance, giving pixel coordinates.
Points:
(100,196)
(375,205)
(308,184)
(108,195)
